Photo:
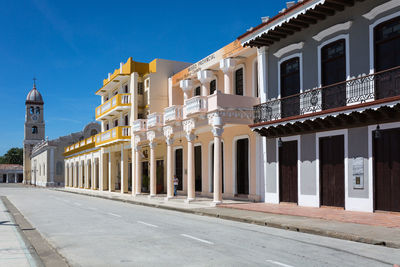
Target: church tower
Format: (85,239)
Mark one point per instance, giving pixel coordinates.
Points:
(34,128)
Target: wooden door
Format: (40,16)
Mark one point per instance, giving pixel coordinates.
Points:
(242,166)
(387,170)
(179,167)
(331,151)
(197,168)
(288,172)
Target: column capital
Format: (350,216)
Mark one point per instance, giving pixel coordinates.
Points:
(152,145)
(170,141)
(186,85)
(190,137)
(227,64)
(151,135)
(205,76)
(168,131)
(217,131)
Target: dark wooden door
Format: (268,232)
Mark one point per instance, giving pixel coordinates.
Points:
(179,167)
(331,151)
(288,172)
(333,71)
(197,168)
(160,176)
(242,166)
(387,170)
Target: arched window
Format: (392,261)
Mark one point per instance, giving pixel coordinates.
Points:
(32,110)
(34,130)
(37,110)
(93,132)
(197,91)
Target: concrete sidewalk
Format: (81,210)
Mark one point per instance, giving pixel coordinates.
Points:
(14,250)
(237,211)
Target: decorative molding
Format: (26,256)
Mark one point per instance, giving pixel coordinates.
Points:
(217,131)
(227,64)
(205,76)
(168,131)
(189,126)
(381,8)
(151,135)
(288,49)
(331,30)
(186,85)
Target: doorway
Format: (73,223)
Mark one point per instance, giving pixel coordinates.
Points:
(242,166)
(179,167)
(288,176)
(160,176)
(197,168)
(331,151)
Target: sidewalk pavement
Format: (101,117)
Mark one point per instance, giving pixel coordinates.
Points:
(14,251)
(372,228)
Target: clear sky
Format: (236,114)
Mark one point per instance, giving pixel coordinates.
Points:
(70,46)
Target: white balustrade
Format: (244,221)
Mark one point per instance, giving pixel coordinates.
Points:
(155,120)
(197,104)
(139,125)
(173,113)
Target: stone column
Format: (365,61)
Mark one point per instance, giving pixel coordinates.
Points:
(217,132)
(190,173)
(153,174)
(187,86)
(138,171)
(170,175)
(227,65)
(205,77)
(76,174)
(86,174)
(124,170)
(262,54)
(111,178)
(93,173)
(66,174)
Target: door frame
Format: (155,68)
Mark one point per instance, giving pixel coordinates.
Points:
(183,164)
(234,152)
(371,181)
(344,132)
(287,139)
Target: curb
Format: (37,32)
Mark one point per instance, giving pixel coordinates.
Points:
(290,227)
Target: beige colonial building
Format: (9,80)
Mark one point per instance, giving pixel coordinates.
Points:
(170,118)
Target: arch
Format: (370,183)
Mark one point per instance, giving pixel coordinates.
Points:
(32,110)
(37,110)
(35,129)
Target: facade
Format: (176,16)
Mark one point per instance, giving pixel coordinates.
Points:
(47,158)
(330,112)
(204,129)
(132,92)
(11,173)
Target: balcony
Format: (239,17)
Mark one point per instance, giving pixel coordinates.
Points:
(155,120)
(114,135)
(85,144)
(333,98)
(173,113)
(139,126)
(117,103)
(195,105)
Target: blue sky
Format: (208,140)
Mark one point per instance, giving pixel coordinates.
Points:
(70,46)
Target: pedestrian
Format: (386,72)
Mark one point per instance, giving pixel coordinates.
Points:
(176,183)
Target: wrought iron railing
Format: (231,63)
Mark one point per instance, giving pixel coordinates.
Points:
(358,90)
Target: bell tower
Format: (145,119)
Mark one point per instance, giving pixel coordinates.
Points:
(34,130)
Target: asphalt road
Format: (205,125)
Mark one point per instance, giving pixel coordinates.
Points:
(90,231)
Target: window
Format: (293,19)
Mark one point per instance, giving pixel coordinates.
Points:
(34,130)
(126,120)
(32,110)
(126,89)
(333,70)
(290,85)
(107,127)
(213,86)
(140,116)
(239,81)
(140,88)
(197,91)
(37,110)
(115,123)
(115,92)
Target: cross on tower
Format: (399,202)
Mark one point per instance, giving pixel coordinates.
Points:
(34,81)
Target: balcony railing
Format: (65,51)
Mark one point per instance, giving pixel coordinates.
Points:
(139,126)
(80,146)
(155,120)
(122,101)
(197,104)
(355,91)
(116,134)
(173,113)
